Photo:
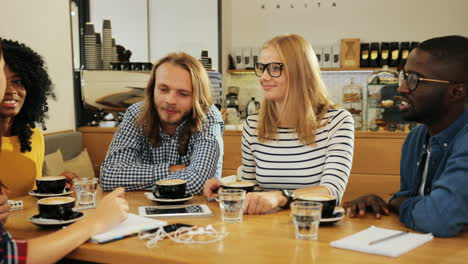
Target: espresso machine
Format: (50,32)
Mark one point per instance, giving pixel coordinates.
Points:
(232,98)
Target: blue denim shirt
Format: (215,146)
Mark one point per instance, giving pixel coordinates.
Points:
(443,210)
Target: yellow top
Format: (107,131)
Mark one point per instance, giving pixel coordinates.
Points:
(18,170)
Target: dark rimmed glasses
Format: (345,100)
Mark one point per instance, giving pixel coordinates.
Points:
(274,69)
(412,80)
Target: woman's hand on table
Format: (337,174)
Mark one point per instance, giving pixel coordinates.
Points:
(211,185)
(111,210)
(263,202)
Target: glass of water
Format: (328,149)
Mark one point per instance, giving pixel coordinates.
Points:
(306,218)
(231,202)
(85,190)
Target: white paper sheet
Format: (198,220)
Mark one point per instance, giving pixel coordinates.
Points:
(393,247)
(132,225)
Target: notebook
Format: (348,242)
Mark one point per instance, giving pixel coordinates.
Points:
(129,227)
(399,243)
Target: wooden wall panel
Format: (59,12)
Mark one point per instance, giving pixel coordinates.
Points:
(97,141)
(375,165)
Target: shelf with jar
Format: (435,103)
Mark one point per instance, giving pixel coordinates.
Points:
(382,102)
(251,71)
(372,98)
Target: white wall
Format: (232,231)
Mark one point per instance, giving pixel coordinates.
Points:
(226,16)
(45,27)
(369,20)
(183,25)
(129,23)
(175,25)
(245,24)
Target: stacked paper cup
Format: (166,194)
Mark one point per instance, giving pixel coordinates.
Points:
(107,50)
(91,59)
(205,60)
(99,51)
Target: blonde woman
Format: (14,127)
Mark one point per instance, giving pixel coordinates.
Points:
(299,143)
(175,134)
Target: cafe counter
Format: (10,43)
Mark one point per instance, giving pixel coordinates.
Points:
(376,162)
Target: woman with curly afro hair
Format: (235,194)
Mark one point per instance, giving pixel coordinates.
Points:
(25,103)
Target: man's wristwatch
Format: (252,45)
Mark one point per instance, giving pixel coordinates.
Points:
(289,198)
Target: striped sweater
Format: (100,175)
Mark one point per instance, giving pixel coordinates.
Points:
(286,163)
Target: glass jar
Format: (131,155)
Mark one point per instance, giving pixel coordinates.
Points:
(352,101)
(382,104)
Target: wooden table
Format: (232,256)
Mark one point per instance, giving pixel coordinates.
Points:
(259,239)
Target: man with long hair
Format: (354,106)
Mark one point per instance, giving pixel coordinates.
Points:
(176,133)
(433,195)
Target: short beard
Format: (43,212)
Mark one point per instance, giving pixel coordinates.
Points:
(178,122)
(171,123)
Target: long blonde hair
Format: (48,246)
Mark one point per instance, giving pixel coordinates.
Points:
(306,101)
(149,118)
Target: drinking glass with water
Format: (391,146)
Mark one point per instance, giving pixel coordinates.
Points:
(231,202)
(306,217)
(85,190)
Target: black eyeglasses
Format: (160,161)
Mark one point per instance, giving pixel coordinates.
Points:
(274,69)
(412,80)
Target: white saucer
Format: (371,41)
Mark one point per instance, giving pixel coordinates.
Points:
(338,214)
(41,195)
(54,223)
(151,197)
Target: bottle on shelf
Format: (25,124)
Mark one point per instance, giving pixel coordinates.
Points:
(404,52)
(394,54)
(384,54)
(364,62)
(374,58)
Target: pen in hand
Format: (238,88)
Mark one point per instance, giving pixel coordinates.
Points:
(373,242)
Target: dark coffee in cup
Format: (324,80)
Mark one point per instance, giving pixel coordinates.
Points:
(243,185)
(56,208)
(328,202)
(51,184)
(171,189)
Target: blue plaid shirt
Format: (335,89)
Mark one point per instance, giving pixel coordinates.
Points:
(134,163)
